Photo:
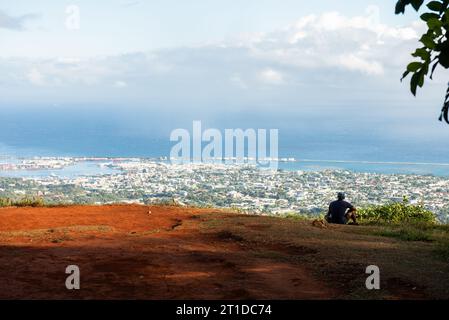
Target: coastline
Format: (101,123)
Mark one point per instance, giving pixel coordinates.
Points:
(46,165)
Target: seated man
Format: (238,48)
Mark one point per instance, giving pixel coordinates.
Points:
(338,211)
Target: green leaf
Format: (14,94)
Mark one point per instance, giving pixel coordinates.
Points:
(414,83)
(416,4)
(428,41)
(417,80)
(421,79)
(406,73)
(414,66)
(427,16)
(422,53)
(435,6)
(443,59)
(434,23)
(400,7)
(445,19)
(438,31)
(425,68)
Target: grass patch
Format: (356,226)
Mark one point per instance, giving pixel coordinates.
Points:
(24,202)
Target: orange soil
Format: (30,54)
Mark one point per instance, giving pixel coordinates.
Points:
(125,252)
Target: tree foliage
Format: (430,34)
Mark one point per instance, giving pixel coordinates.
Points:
(434,50)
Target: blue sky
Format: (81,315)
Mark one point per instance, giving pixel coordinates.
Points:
(119,26)
(328,67)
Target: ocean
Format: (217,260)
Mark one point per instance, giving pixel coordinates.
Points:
(315,146)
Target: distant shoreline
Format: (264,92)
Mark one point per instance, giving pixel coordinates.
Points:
(74,166)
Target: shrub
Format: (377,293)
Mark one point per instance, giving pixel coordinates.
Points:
(29,202)
(396,213)
(5,202)
(24,202)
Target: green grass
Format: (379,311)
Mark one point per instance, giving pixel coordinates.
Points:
(24,202)
(396,213)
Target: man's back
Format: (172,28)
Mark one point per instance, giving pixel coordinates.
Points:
(337,211)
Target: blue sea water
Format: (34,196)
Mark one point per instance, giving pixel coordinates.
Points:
(358,148)
(159,149)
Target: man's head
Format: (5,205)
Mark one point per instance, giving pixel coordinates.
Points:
(341,196)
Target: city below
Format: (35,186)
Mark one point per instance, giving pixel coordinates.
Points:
(243,187)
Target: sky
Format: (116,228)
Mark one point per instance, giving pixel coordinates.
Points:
(121,26)
(330,68)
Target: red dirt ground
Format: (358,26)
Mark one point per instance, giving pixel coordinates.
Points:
(125,252)
(137,252)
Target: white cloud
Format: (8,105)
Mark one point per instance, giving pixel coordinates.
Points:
(317,51)
(353,62)
(63,71)
(271,76)
(331,40)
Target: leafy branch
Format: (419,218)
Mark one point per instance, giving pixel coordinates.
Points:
(435,46)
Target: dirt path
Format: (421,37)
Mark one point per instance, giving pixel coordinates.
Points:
(126,252)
